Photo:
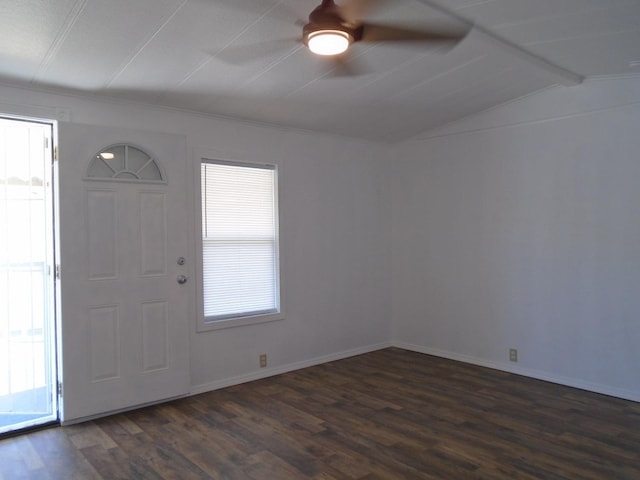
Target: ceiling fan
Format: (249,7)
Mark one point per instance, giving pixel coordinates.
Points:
(332,30)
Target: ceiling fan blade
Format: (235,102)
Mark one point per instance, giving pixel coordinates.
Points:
(377,32)
(345,65)
(281,11)
(355,10)
(253,52)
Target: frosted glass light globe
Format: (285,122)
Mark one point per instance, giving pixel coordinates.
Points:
(328,42)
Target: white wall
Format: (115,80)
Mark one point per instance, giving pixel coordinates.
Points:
(335,244)
(521,228)
(335,215)
(517,228)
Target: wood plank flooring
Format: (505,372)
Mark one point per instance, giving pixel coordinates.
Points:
(390,414)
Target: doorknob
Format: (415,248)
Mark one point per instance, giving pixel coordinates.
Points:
(182,279)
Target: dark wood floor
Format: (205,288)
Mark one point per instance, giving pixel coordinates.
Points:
(390,414)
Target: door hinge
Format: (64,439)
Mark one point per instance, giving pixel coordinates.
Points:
(58,271)
(55,153)
(59,389)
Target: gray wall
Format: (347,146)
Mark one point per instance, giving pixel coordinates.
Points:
(517,228)
(335,246)
(521,228)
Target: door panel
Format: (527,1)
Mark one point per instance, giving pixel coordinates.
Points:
(125,318)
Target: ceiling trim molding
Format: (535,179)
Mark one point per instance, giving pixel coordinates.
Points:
(560,74)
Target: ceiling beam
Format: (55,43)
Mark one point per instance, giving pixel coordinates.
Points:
(560,74)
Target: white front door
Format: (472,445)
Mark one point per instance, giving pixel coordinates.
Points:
(125,254)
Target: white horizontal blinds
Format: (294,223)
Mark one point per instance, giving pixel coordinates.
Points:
(239,240)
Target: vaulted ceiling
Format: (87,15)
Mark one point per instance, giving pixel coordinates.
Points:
(244,58)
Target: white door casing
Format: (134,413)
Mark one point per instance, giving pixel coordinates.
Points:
(125,317)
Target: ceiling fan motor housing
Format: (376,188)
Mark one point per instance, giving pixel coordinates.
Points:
(327,17)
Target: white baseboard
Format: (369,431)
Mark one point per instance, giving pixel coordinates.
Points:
(73,421)
(505,367)
(269,372)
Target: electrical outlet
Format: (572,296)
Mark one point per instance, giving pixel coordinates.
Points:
(513,355)
(263,360)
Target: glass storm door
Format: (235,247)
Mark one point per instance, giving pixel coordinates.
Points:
(28,395)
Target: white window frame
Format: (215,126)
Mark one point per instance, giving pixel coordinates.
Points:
(204,324)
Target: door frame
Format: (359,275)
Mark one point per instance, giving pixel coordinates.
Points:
(79,143)
(53,288)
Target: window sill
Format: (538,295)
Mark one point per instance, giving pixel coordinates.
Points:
(205,326)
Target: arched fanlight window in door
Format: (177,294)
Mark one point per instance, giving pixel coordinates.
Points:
(124,163)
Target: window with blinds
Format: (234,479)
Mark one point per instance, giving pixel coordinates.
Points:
(239,240)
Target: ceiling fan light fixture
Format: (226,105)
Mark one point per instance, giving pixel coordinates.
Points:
(328,42)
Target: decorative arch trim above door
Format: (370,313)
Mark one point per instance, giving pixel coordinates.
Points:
(123,162)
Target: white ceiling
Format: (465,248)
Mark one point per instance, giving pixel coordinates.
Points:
(239,58)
